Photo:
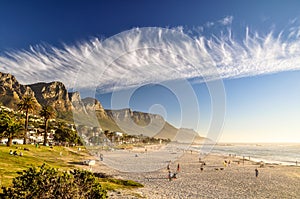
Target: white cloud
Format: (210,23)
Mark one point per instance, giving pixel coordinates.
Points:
(226,20)
(209,24)
(148,55)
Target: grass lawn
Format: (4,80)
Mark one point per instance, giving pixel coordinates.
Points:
(64,158)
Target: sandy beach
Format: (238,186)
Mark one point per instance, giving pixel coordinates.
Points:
(236,180)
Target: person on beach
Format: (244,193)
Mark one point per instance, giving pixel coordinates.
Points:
(170,175)
(225,163)
(178,168)
(256,172)
(174,176)
(168,167)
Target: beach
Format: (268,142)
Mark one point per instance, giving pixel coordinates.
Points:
(216,180)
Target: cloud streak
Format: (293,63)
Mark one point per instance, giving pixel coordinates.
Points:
(150,55)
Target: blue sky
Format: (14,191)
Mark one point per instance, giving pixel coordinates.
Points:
(251,47)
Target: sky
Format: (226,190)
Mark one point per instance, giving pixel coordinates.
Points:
(228,69)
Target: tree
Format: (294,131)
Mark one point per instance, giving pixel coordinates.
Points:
(13,131)
(9,127)
(27,104)
(47,113)
(64,134)
(46,182)
(4,120)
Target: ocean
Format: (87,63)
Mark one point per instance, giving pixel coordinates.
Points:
(285,154)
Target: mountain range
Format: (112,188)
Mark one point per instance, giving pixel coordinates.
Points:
(88,111)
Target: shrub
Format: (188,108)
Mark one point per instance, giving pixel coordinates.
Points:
(46,182)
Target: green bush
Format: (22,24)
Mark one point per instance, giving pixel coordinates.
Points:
(46,182)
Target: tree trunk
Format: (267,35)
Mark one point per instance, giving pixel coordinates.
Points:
(46,133)
(26,128)
(9,141)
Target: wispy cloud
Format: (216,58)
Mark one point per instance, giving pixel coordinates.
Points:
(148,55)
(226,20)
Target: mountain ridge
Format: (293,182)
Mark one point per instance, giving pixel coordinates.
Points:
(84,110)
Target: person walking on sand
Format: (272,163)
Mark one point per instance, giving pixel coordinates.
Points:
(225,163)
(178,168)
(256,172)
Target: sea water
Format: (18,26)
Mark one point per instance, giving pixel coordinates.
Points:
(286,154)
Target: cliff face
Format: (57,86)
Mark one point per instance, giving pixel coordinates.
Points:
(122,115)
(92,105)
(77,104)
(136,123)
(139,118)
(54,94)
(11,91)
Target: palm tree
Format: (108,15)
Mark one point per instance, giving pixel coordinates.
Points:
(27,104)
(47,113)
(9,127)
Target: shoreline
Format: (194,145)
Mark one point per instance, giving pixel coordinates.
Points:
(259,160)
(275,159)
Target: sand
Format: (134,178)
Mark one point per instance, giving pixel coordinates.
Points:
(234,181)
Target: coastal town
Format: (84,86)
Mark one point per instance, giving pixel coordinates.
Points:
(63,133)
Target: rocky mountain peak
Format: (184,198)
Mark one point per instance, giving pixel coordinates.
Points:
(74,97)
(11,91)
(93,105)
(121,115)
(54,94)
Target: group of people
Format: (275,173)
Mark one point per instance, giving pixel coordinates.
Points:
(15,153)
(173,175)
(227,163)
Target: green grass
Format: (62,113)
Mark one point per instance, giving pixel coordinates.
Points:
(64,158)
(114,184)
(58,157)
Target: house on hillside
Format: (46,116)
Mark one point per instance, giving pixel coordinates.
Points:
(36,135)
